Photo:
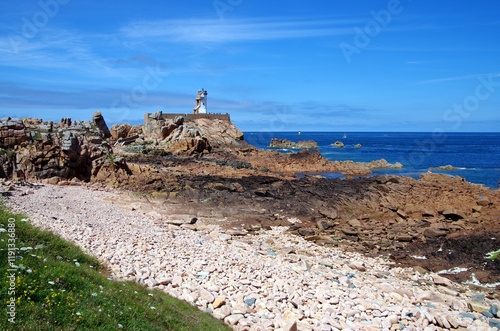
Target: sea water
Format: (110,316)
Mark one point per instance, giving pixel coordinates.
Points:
(475,156)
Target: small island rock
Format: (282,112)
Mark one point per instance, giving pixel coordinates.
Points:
(338,144)
(284,143)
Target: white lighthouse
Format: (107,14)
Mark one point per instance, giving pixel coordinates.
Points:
(201,102)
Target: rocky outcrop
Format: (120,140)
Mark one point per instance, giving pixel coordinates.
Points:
(187,139)
(180,137)
(447,167)
(33,149)
(308,161)
(375,215)
(135,130)
(338,144)
(383,164)
(101,124)
(120,131)
(284,143)
(12,132)
(221,134)
(174,136)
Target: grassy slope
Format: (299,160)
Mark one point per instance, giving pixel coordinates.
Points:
(58,287)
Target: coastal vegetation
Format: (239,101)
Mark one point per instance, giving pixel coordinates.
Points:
(51,284)
(495,255)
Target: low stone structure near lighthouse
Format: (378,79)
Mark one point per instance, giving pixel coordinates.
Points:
(199,111)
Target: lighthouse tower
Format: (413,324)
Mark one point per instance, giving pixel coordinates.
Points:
(201,102)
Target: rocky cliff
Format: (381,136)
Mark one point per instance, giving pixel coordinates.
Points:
(178,136)
(34,149)
(37,149)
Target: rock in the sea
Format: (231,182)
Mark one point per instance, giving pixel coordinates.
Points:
(284,143)
(338,144)
(383,164)
(447,167)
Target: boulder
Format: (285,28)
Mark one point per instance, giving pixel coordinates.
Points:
(12,132)
(120,131)
(428,213)
(167,130)
(284,143)
(99,121)
(179,120)
(188,145)
(403,237)
(483,202)
(330,213)
(324,225)
(157,115)
(306,232)
(402,214)
(383,164)
(220,134)
(447,167)
(135,130)
(65,122)
(452,214)
(355,223)
(70,145)
(433,233)
(338,144)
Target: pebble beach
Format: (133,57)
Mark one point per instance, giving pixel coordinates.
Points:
(271,280)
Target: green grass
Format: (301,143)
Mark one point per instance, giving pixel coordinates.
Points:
(59,287)
(495,255)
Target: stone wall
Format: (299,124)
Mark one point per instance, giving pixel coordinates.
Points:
(187,117)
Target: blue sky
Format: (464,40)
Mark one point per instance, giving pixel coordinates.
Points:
(299,65)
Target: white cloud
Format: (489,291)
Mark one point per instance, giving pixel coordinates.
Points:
(458,78)
(212,30)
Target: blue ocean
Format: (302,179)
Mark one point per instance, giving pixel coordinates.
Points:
(475,156)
